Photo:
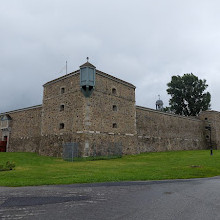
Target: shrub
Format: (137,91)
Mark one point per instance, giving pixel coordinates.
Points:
(8,166)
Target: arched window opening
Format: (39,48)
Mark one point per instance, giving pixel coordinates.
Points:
(114,91)
(62,90)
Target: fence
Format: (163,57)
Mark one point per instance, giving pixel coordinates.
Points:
(71,151)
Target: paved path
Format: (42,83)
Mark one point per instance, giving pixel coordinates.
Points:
(178,199)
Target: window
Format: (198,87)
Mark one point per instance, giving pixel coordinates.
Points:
(61,126)
(207,136)
(114,108)
(4,124)
(114,125)
(62,90)
(61,108)
(114,91)
(206,118)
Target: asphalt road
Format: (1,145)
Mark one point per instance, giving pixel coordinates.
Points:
(178,199)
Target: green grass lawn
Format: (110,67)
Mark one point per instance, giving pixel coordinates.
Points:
(32,169)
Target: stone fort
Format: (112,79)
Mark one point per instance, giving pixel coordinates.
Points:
(98,112)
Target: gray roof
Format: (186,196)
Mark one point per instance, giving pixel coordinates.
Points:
(97,71)
(159,102)
(87,64)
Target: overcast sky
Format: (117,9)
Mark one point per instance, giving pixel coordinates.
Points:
(143,42)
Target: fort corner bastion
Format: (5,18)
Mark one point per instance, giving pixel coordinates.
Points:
(97,111)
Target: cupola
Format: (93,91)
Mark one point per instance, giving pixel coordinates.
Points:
(87,78)
(159,104)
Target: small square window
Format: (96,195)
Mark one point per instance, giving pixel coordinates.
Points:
(61,126)
(62,90)
(114,108)
(114,125)
(61,108)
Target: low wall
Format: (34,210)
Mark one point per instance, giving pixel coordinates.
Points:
(105,143)
(24,144)
(89,144)
(24,134)
(52,145)
(158,131)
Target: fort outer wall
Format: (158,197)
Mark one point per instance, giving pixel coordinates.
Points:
(103,136)
(88,121)
(212,120)
(24,133)
(158,131)
(104,120)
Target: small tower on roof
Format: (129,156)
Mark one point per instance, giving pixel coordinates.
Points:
(87,78)
(159,104)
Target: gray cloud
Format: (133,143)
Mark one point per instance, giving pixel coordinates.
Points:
(144,42)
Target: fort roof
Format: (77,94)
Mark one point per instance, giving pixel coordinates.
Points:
(167,113)
(21,109)
(97,72)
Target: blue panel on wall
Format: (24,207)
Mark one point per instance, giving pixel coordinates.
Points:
(87,76)
(87,79)
(91,76)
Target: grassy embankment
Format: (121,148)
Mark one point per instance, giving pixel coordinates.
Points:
(32,169)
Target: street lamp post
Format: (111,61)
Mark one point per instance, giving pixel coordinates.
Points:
(210,140)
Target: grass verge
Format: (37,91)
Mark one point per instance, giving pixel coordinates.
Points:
(32,169)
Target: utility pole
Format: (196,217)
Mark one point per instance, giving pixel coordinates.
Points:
(210,139)
(66,67)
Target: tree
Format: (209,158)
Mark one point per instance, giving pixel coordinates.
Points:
(187,95)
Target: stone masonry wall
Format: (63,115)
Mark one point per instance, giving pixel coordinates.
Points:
(101,112)
(104,121)
(25,130)
(84,118)
(159,131)
(71,115)
(101,135)
(89,144)
(212,119)
(105,144)
(94,113)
